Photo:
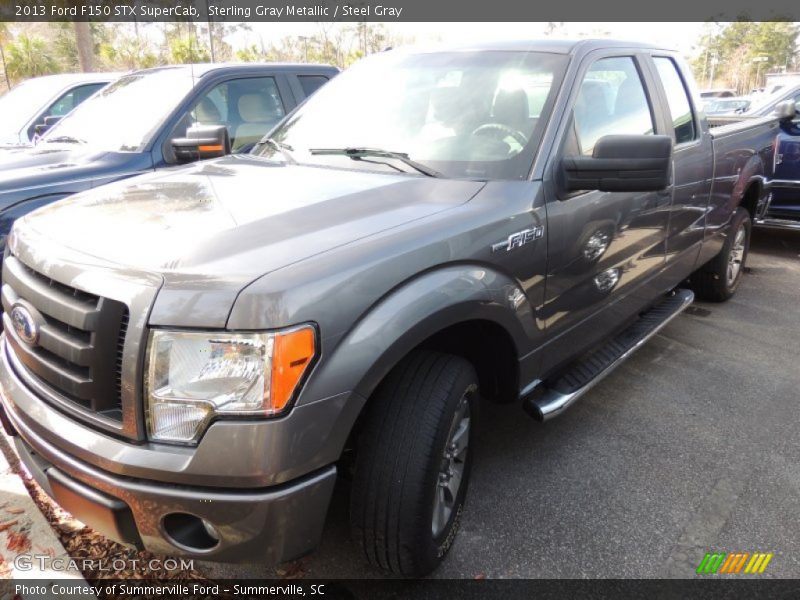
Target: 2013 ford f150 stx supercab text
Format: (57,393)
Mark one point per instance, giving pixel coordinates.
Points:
(190,357)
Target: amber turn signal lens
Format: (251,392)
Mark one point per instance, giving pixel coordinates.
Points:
(291,356)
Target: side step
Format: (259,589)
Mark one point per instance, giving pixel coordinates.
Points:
(558,394)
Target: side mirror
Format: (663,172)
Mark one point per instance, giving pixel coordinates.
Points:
(621,163)
(786,110)
(42,128)
(202,142)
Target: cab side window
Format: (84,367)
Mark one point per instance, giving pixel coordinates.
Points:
(611,101)
(248,107)
(72,99)
(66,103)
(678,100)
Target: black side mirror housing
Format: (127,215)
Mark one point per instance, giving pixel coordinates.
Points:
(786,110)
(621,163)
(42,128)
(202,142)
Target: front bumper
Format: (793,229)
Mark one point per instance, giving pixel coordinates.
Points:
(263,525)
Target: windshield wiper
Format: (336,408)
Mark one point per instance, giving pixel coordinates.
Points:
(284,149)
(65,139)
(359,153)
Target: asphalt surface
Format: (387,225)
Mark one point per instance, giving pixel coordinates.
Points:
(690,446)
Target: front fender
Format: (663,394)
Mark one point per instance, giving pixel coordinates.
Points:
(413,312)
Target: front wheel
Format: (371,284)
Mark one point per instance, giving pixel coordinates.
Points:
(413,463)
(718,280)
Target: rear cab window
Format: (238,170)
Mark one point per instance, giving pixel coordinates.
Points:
(311,83)
(680,107)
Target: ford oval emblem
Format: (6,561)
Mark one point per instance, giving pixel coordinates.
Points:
(25,324)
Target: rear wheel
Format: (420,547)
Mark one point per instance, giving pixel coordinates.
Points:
(718,280)
(413,463)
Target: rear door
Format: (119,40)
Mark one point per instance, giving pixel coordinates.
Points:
(693,167)
(604,247)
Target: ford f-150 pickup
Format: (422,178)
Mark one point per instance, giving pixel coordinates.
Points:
(191,357)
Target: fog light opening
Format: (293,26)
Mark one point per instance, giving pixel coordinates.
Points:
(190,532)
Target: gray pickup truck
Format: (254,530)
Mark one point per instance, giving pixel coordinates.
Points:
(191,357)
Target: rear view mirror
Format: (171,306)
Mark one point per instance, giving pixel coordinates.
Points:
(202,142)
(786,110)
(43,128)
(621,163)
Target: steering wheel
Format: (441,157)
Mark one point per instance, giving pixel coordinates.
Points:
(505,130)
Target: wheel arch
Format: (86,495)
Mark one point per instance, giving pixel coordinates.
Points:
(751,196)
(446,310)
(415,313)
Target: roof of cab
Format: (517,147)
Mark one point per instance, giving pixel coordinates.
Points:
(201,69)
(71,78)
(553,46)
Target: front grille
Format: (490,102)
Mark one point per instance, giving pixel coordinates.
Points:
(79,350)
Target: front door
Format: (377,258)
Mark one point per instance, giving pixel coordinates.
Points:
(604,247)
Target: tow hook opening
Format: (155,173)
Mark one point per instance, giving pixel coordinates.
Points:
(190,532)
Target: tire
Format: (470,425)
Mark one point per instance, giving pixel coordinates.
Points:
(400,459)
(713,282)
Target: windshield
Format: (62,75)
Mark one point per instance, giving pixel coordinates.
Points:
(763,104)
(124,116)
(22,103)
(475,115)
(721,106)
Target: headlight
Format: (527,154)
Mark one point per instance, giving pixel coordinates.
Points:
(193,377)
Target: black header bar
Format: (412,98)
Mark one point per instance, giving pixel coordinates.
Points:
(397,10)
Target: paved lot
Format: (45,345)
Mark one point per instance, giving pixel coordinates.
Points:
(691,445)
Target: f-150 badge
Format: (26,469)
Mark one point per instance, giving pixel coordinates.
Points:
(519,239)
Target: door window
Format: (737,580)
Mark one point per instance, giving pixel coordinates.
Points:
(66,103)
(611,101)
(311,83)
(72,99)
(249,108)
(679,106)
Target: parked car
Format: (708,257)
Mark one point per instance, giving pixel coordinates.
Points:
(721,93)
(782,209)
(190,357)
(727,106)
(26,106)
(130,126)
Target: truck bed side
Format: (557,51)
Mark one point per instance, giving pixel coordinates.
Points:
(744,153)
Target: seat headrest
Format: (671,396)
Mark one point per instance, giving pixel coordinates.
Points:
(256,108)
(207,112)
(630,98)
(511,108)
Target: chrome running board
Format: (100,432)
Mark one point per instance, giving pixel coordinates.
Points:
(557,395)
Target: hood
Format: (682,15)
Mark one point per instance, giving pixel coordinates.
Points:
(20,156)
(238,218)
(45,164)
(10,138)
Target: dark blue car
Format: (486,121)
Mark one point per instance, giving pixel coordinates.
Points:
(129,127)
